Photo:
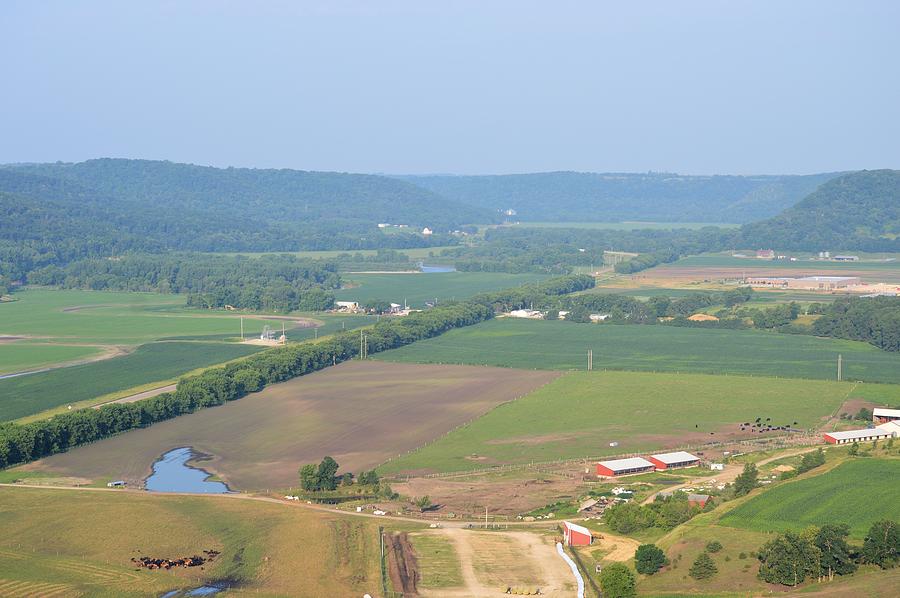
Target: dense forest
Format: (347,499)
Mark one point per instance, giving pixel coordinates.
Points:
(557,250)
(875,320)
(270,283)
(616,197)
(25,442)
(57,213)
(858,211)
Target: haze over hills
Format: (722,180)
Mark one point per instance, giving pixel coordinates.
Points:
(182,206)
(860,210)
(613,197)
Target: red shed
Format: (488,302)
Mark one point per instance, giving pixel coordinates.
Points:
(576,535)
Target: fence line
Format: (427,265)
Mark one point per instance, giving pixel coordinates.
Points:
(754,445)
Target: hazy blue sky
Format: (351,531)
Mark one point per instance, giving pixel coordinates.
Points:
(467,87)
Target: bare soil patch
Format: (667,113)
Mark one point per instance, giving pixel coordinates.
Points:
(508,495)
(402,566)
(9,339)
(360,413)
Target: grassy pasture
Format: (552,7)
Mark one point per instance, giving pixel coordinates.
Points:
(416,289)
(856,492)
(437,561)
(26,395)
(737,576)
(561,345)
(73,543)
(579,414)
(360,413)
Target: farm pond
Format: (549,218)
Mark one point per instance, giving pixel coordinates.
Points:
(171,473)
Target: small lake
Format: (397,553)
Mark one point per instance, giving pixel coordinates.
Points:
(437,269)
(172,474)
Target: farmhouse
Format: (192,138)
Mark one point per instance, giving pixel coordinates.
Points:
(624,466)
(674,460)
(880,415)
(576,535)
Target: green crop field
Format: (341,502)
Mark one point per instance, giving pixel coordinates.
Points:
(26,395)
(580,413)
(857,493)
(61,326)
(416,289)
(18,356)
(563,345)
(80,543)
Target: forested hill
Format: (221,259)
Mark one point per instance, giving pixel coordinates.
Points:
(54,213)
(584,196)
(290,194)
(858,211)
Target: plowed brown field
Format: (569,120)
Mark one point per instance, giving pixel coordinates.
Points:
(360,413)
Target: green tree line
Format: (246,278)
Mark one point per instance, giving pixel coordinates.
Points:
(270,282)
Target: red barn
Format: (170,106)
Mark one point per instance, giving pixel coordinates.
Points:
(576,535)
(624,466)
(674,460)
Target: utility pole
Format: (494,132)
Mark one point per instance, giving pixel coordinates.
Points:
(590,360)
(840,367)
(242,327)
(485,518)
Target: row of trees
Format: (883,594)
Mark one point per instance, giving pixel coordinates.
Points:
(20,443)
(665,512)
(823,552)
(271,283)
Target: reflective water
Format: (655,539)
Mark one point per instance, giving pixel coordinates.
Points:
(172,474)
(437,269)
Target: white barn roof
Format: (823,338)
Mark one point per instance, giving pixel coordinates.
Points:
(630,463)
(891,427)
(882,412)
(676,457)
(577,528)
(857,434)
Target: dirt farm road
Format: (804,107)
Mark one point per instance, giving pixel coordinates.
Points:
(140,395)
(278,501)
(729,473)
